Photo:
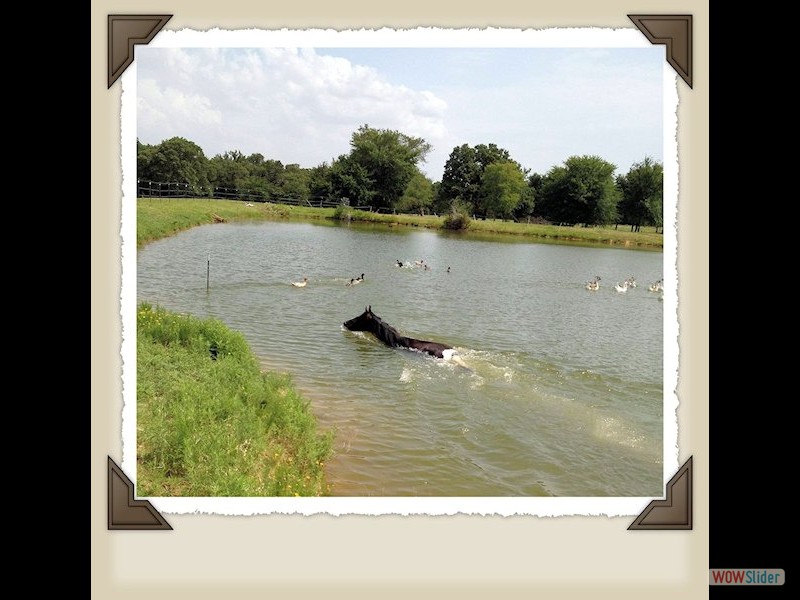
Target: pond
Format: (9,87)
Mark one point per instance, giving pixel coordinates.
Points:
(564,391)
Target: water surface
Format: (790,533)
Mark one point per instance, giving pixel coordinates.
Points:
(564,391)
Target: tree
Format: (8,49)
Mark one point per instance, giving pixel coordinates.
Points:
(460,180)
(418,196)
(294,183)
(464,172)
(502,189)
(527,204)
(642,190)
(228,171)
(389,160)
(319,182)
(350,180)
(177,160)
(144,154)
(582,191)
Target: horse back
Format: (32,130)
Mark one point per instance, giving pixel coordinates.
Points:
(434,348)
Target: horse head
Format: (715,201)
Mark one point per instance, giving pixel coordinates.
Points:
(363,322)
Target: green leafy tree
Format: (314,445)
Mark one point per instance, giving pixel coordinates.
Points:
(294,183)
(581,191)
(389,159)
(418,196)
(502,189)
(229,171)
(642,190)
(463,175)
(144,154)
(525,210)
(176,160)
(460,179)
(319,182)
(350,180)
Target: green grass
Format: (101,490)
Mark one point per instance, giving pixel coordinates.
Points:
(157,218)
(219,427)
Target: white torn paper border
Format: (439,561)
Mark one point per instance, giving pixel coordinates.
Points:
(386,38)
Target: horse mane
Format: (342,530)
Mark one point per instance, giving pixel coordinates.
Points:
(388,334)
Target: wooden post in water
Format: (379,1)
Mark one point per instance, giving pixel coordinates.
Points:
(208,271)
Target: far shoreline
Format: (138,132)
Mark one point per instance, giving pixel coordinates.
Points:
(162,217)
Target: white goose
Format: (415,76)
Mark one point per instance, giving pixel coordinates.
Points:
(621,288)
(657,286)
(594,284)
(631,281)
(301,283)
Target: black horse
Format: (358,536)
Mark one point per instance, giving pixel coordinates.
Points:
(369,321)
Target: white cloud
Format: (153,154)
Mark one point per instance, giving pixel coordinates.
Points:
(302,106)
(292,105)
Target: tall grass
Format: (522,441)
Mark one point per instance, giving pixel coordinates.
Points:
(210,423)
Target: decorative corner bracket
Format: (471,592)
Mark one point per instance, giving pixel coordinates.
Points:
(675,511)
(124,32)
(123,511)
(676,32)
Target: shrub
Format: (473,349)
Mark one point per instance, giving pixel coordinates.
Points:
(458,219)
(343,213)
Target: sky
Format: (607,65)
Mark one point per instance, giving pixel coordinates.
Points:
(302,105)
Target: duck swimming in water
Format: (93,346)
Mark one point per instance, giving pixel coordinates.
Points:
(300,283)
(622,288)
(594,284)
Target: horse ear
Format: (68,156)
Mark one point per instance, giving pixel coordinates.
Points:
(369,308)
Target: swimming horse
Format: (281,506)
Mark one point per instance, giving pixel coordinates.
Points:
(369,321)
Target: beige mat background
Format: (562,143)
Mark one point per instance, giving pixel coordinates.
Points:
(393,556)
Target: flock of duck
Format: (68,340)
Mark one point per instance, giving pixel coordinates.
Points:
(592,285)
(356,280)
(630,282)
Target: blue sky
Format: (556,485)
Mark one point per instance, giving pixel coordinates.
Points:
(301,105)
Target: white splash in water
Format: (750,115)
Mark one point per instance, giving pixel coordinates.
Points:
(405,376)
(616,431)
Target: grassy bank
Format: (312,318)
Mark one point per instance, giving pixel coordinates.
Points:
(157,218)
(210,423)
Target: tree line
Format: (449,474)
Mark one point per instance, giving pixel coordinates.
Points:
(382,171)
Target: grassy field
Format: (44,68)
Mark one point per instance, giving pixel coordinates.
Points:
(157,218)
(210,423)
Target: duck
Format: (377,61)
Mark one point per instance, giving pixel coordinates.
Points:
(594,284)
(631,281)
(656,286)
(355,280)
(301,283)
(621,287)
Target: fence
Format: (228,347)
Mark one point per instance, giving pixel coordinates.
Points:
(158,189)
